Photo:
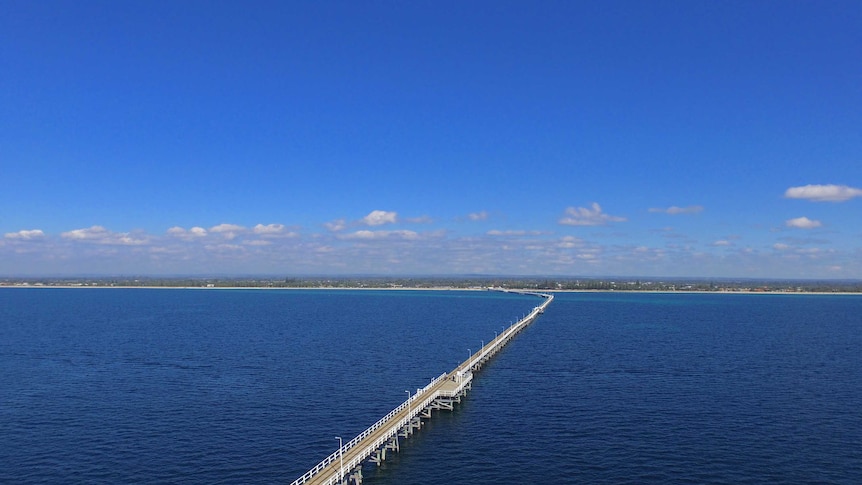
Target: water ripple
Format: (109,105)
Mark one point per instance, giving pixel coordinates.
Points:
(251,387)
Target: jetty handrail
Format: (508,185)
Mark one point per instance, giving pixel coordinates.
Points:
(381,421)
(376,444)
(374,427)
(502,338)
(359,458)
(462,370)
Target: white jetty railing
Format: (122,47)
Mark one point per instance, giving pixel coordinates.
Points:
(371,440)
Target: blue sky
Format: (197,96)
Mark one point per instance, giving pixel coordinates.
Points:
(686,138)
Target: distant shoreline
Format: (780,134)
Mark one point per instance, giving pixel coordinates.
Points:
(310,288)
(440,288)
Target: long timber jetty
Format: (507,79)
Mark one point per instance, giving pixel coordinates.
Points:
(344,466)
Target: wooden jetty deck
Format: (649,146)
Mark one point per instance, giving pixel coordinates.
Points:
(345,464)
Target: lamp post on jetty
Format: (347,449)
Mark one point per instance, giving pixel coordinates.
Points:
(340,459)
(408,403)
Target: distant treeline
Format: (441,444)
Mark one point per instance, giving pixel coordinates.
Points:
(548,283)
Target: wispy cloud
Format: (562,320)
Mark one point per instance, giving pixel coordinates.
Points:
(496,232)
(477,216)
(223,248)
(371,235)
(100,235)
(419,220)
(258,242)
(375,218)
(233,232)
(26,234)
(89,233)
(273,230)
(356,247)
(378,218)
(187,235)
(674,210)
(592,216)
(823,193)
(803,223)
(569,242)
(336,225)
(269,229)
(228,231)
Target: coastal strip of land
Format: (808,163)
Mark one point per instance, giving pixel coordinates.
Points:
(652,285)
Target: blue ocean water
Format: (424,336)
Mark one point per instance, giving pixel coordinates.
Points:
(252,386)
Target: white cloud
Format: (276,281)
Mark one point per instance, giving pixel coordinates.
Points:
(90,233)
(100,235)
(336,225)
(221,228)
(478,216)
(365,234)
(193,233)
(269,229)
(823,193)
(419,220)
(127,239)
(593,216)
(25,235)
(224,248)
(495,232)
(569,242)
(272,248)
(258,242)
(228,231)
(674,210)
(803,223)
(274,230)
(378,218)
(369,235)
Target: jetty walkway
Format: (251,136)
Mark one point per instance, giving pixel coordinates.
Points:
(345,464)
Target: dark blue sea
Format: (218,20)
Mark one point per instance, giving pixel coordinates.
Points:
(252,386)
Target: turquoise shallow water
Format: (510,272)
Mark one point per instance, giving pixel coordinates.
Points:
(251,386)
